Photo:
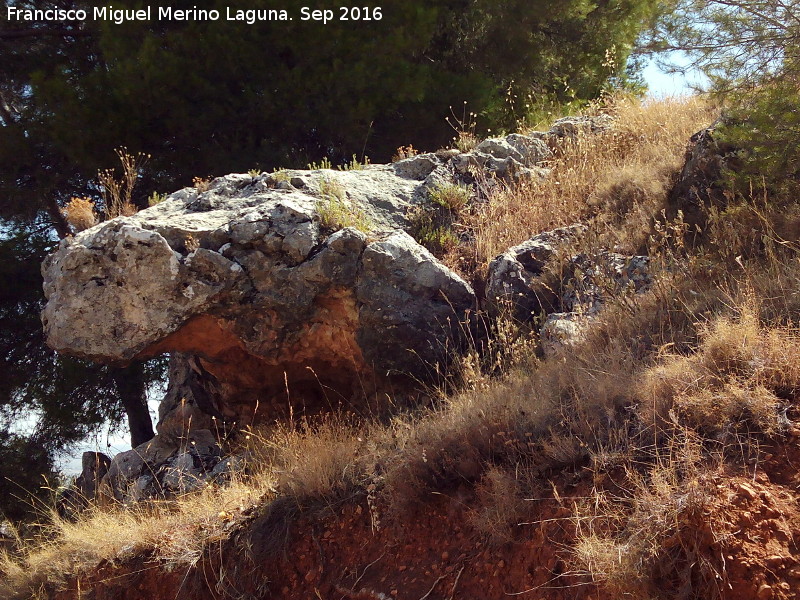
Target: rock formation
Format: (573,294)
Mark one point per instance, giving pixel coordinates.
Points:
(295,288)
(517,282)
(700,183)
(299,290)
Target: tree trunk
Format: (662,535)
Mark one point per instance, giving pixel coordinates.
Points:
(59,222)
(131,387)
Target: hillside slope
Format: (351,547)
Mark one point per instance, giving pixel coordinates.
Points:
(653,454)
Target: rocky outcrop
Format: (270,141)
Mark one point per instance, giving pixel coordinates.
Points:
(245,278)
(165,466)
(298,290)
(518,283)
(305,277)
(700,184)
(516,280)
(574,127)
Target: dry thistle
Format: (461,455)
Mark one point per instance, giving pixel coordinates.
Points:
(201,183)
(118,193)
(404,152)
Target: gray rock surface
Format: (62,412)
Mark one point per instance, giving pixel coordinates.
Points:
(591,283)
(162,467)
(701,184)
(515,277)
(517,283)
(524,149)
(560,331)
(594,279)
(572,127)
(245,281)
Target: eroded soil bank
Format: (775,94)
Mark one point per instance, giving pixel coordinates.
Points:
(737,541)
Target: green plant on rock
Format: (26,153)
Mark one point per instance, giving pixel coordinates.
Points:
(355,164)
(280,175)
(335,211)
(434,230)
(452,196)
(155,198)
(325,163)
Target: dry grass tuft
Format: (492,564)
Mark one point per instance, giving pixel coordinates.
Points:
(500,505)
(740,377)
(118,193)
(315,461)
(176,533)
(80,213)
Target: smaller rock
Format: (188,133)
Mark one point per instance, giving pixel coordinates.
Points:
(417,167)
(180,475)
(7,536)
(595,279)
(142,489)
(94,467)
(226,468)
(86,488)
(532,148)
(126,467)
(764,592)
(561,331)
(499,148)
(572,127)
(514,278)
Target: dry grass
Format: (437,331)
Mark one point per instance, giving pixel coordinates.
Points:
(80,213)
(310,463)
(658,528)
(625,170)
(500,505)
(176,534)
(314,461)
(740,377)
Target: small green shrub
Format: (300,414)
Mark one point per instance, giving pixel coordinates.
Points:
(433,228)
(452,196)
(355,164)
(335,212)
(437,239)
(280,175)
(325,163)
(156,198)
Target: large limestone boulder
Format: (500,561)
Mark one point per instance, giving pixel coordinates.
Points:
(263,291)
(299,290)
